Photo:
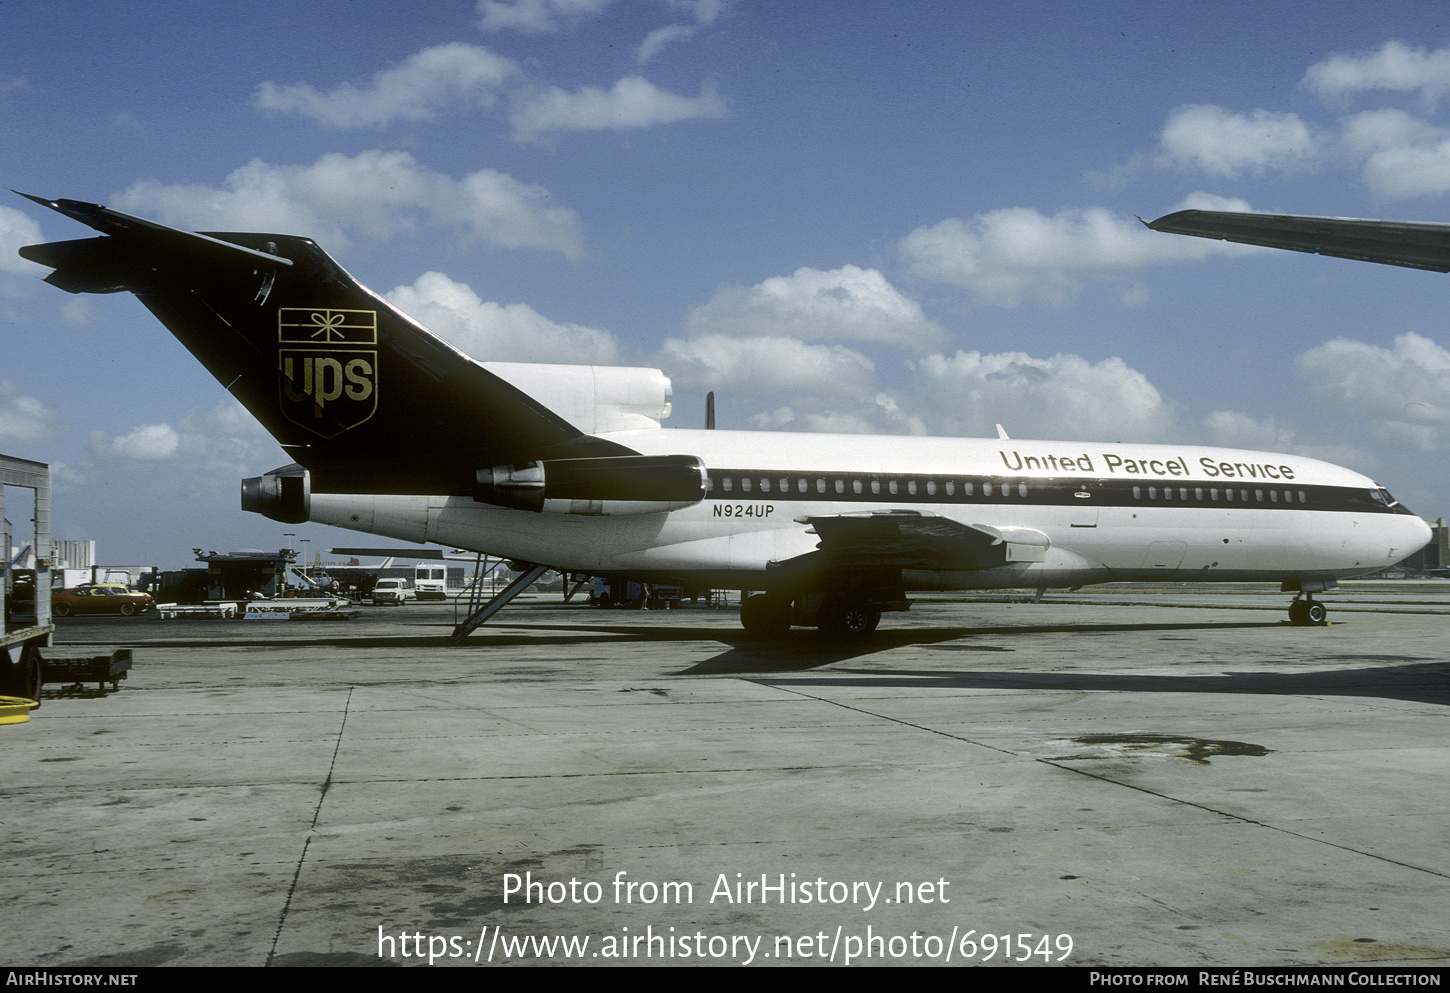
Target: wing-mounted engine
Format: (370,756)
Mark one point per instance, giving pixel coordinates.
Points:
(615,486)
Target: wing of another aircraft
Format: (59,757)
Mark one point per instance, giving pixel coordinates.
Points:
(1403,243)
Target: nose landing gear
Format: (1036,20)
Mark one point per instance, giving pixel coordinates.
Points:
(1307,611)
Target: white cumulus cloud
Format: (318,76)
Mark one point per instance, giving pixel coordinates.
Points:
(1409,170)
(1017,253)
(849,303)
(1065,396)
(633,102)
(24,418)
(1404,389)
(705,13)
(1400,154)
(201,457)
(1222,143)
(16,230)
(772,368)
(1238,429)
(657,39)
(493,332)
(878,415)
(536,16)
(145,443)
(417,89)
(1394,66)
(373,194)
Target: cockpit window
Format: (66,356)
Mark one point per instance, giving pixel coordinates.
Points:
(1381,496)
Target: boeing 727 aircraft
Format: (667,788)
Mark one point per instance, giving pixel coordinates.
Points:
(568,467)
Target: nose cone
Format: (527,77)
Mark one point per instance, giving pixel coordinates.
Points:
(1417,535)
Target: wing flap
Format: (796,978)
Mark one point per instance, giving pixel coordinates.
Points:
(908,539)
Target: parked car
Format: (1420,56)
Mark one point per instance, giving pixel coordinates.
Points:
(113,587)
(97,600)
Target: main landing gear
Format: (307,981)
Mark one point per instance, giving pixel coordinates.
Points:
(847,616)
(1307,611)
(840,615)
(765,615)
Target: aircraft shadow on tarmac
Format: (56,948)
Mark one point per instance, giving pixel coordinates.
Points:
(798,649)
(1402,677)
(808,650)
(1414,680)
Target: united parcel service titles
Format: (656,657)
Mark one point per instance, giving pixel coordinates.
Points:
(1178,466)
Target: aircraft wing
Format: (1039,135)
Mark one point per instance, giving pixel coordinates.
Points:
(1402,243)
(908,539)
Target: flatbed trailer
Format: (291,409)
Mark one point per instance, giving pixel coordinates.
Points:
(72,670)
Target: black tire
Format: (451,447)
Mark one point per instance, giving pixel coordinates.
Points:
(765,616)
(60,610)
(1317,614)
(1299,612)
(848,616)
(128,610)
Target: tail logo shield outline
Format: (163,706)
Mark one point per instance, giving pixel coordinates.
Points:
(330,384)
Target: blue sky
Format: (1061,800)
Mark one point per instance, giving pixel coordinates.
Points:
(875,217)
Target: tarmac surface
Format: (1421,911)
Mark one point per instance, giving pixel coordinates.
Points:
(1126,777)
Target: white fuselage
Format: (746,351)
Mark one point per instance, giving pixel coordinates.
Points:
(1097,512)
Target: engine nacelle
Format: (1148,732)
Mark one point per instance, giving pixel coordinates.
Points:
(283,495)
(623,485)
(595,399)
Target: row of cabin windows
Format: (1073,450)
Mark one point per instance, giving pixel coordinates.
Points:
(1213,494)
(786,485)
(953,488)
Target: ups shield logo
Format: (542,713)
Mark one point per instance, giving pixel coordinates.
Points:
(327,368)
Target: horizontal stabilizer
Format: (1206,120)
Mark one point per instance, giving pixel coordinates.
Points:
(1402,243)
(119,225)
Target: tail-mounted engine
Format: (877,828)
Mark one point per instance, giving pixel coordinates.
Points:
(283,495)
(629,484)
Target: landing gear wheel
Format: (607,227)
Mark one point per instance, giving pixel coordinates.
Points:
(849,616)
(1307,612)
(765,616)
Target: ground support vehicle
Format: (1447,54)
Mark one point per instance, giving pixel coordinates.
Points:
(74,670)
(392,591)
(27,627)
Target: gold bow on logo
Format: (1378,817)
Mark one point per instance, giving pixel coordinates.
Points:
(328,325)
